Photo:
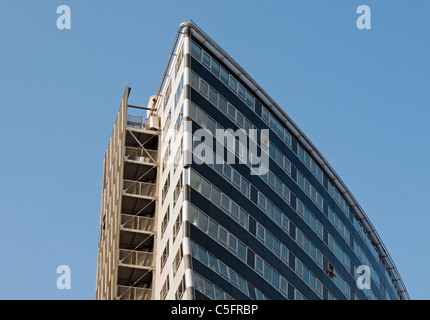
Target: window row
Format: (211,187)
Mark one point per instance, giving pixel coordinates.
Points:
(225,170)
(310,163)
(218,233)
(365,237)
(235,147)
(309,247)
(219,267)
(209,289)
(273,212)
(220,102)
(219,199)
(334,219)
(338,252)
(342,285)
(271,276)
(309,218)
(279,158)
(305,185)
(276,126)
(226,78)
(272,243)
(179,90)
(338,198)
(309,278)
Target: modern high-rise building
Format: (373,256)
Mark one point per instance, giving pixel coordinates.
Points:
(268,218)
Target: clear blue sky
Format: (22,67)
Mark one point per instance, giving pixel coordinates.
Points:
(362,97)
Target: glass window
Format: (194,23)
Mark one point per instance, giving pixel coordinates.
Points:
(213,229)
(225,202)
(236,178)
(232,243)
(249,100)
(305,275)
(278,186)
(276,247)
(275,279)
(243,286)
(233,277)
(204,88)
(243,219)
(287,137)
(222,236)
(241,92)
(219,295)
(269,241)
(210,125)
(193,215)
(259,264)
(284,287)
(223,270)
(206,189)
(194,81)
(280,130)
(222,104)
(245,187)
(277,217)
(270,210)
(284,254)
(261,200)
(273,123)
(227,172)
(215,68)
(307,159)
(233,84)
(267,272)
(271,178)
(260,232)
(231,112)
(203,256)
(285,223)
(198,282)
(215,197)
(234,211)
(286,194)
(196,52)
(265,114)
(240,119)
(194,252)
(241,251)
(201,118)
(300,153)
(195,181)
(209,289)
(213,96)
(206,60)
(203,222)
(224,76)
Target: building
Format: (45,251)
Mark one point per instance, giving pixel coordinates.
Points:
(173,228)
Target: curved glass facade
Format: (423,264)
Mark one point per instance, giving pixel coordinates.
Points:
(291,233)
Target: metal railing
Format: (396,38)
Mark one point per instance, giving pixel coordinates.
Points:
(137,122)
(137,223)
(140,188)
(141,155)
(137,258)
(134,293)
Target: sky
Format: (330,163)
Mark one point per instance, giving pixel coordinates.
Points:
(361,96)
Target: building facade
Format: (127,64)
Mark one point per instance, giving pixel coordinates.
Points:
(176,225)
